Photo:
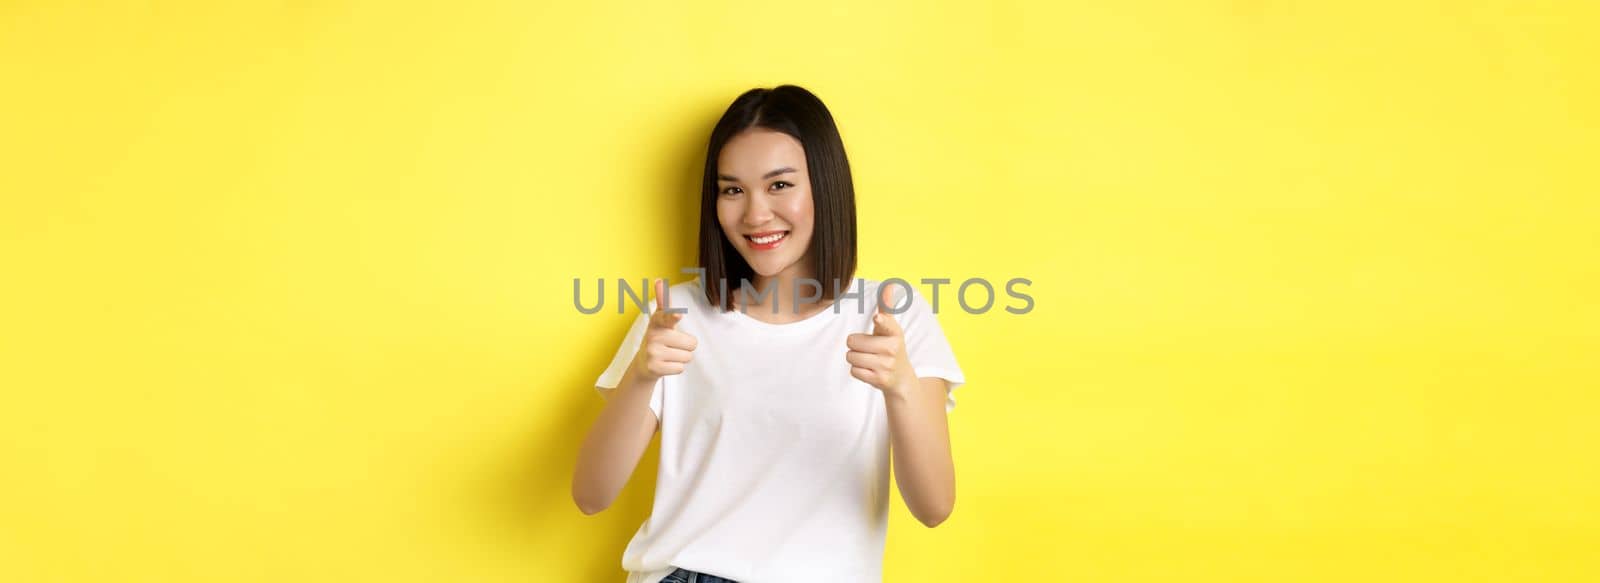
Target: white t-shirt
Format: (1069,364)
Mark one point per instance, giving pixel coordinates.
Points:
(774,460)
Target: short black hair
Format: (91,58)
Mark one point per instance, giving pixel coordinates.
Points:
(800,114)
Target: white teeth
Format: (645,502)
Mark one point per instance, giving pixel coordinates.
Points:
(767,239)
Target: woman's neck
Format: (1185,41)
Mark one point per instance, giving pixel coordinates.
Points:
(784,297)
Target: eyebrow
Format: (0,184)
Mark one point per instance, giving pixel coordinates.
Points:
(763,177)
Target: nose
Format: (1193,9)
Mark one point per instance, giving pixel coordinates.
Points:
(757,211)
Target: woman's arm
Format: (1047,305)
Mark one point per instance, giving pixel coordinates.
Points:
(621,434)
(614,444)
(919,441)
(919,431)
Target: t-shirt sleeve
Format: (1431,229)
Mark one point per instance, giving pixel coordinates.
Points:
(926,346)
(612,376)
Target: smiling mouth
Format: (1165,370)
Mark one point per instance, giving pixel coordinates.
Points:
(767,240)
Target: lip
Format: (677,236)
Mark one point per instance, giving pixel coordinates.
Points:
(750,240)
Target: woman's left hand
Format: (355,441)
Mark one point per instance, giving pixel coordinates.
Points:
(879,359)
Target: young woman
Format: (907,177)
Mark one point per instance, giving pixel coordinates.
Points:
(778,380)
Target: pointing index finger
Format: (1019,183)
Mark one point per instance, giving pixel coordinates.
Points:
(883,321)
(664,316)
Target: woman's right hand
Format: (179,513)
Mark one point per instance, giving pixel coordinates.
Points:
(666,350)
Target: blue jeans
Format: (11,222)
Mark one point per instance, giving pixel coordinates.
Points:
(687,576)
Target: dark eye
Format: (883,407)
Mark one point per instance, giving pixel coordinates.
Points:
(780,185)
(731,190)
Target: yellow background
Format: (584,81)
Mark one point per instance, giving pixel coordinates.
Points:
(287,285)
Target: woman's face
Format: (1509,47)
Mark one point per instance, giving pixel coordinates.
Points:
(764,201)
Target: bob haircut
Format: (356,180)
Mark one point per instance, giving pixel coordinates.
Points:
(800,114)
